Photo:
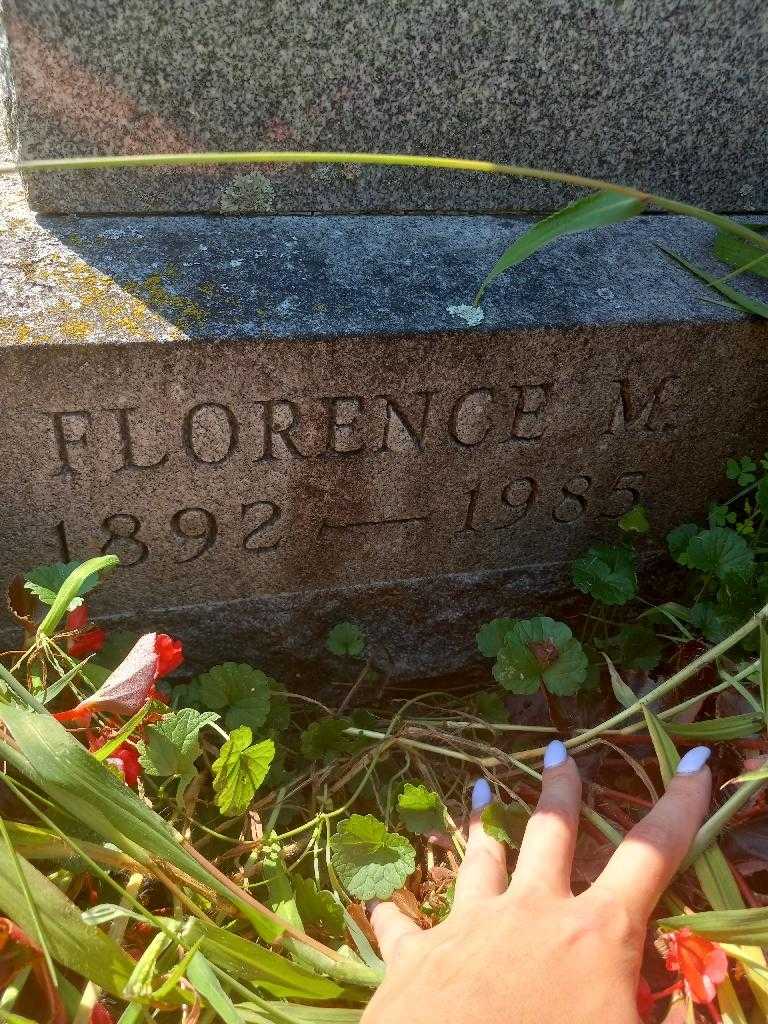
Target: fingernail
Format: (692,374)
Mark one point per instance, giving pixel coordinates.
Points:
(481,795)
(555,754)
(693,761)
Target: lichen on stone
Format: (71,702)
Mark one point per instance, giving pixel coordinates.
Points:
(252,192)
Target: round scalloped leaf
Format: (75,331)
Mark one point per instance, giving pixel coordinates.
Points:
(370,862)
(490,637)
(606,573)
(679,539)
(346,639)
(721,552)
(538,651)
(421,810)
(240,691)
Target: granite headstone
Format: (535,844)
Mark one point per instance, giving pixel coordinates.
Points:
(666,95)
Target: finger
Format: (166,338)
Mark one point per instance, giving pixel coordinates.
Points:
(483,872)
(390,926)
(645,863)
(546,852)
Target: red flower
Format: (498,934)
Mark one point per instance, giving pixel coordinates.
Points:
(169,654)
(125,758)
(87,643)
(702,964)
(132,683)
(90,640)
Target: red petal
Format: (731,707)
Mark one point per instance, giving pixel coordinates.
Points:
(169,654)
(88,643)
(78,618)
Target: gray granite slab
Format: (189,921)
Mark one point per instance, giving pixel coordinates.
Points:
(664,94)
(277,423)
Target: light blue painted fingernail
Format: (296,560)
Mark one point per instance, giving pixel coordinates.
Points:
(693,761)
(481,795)
(555,754)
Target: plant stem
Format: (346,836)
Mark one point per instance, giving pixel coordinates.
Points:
(384,160)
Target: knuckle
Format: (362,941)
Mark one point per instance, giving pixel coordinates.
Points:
(609,914)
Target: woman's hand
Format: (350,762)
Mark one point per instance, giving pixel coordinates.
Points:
(527,951)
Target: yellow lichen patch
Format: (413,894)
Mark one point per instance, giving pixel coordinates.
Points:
(90,301)
(75,328)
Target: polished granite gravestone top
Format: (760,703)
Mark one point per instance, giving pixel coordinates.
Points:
(666,95)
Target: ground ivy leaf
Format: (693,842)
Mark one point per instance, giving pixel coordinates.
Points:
(490,706)
(634,646)
(318,908)
(45,581)
(327,737)
(171,746)
(679,539)
(490,637)
(721,552)
(370,862)
(635,521)
(606,573)
(240,691)
(239,770)
(538,651)
(346,639)
(505,822)
(421,810)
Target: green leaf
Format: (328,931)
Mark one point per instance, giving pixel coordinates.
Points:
(738,251)
(319,908)
(505,822)
(679,539)
(81,947)
(370,862)
(239,770)
(721,552)
(45,581)
(490,637)
(634,646)
(606,573)
(171,747)
(250,962)
(596,210)
(90,793)
(201,976)
(71,588)
(327,738)
(714,620)
(490,706)
(732,727)
(421,810)
(537,651)
(240,692)
(635,521)
(749,926)
(346,639)
(624,694)
(764,668)
(739,299)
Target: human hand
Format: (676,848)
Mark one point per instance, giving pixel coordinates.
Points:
(527,951)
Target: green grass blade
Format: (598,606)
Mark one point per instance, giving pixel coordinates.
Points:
(72,943)
(594,211)
(744,927)
(732,727)
(70,588)
(740,253)
(744,302)
(764,668)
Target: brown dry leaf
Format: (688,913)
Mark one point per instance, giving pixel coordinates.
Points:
(22,604)
(442,876)
(406,902)
(357,912)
